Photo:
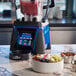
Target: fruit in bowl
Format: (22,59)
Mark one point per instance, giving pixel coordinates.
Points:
(68,56)
(47,58)
(55,58)
(46,63)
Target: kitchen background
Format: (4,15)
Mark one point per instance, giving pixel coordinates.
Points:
(62,20)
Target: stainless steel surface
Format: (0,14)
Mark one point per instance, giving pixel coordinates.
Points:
(59,35)
(63,21)
(23,68)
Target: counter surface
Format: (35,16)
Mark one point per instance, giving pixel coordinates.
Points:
(23,68)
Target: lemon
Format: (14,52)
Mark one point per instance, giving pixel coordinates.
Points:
(52,60)
(56,58)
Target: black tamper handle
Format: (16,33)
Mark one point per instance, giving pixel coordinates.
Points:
(51,5)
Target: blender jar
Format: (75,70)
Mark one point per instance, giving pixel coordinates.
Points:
(29,7)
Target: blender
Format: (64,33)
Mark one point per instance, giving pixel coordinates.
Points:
(31,34)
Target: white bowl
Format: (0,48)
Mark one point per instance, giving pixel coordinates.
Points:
(43,67)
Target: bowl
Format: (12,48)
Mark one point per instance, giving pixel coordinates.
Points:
(68,57)
(43,67)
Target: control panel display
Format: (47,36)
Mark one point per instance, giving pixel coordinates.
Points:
(25,39)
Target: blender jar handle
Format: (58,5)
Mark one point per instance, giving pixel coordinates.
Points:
(51,5)
(47,7)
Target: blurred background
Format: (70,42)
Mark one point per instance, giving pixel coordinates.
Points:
(62,20)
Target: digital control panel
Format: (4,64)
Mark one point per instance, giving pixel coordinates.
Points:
(25,39)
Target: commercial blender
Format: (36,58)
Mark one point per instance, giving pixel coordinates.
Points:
(31,34)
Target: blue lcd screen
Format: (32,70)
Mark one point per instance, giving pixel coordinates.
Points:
(25,39)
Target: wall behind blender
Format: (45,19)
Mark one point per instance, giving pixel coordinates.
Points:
(5,36)
(63,35)
(59,35)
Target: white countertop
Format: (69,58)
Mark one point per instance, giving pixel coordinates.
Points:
(23,68)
